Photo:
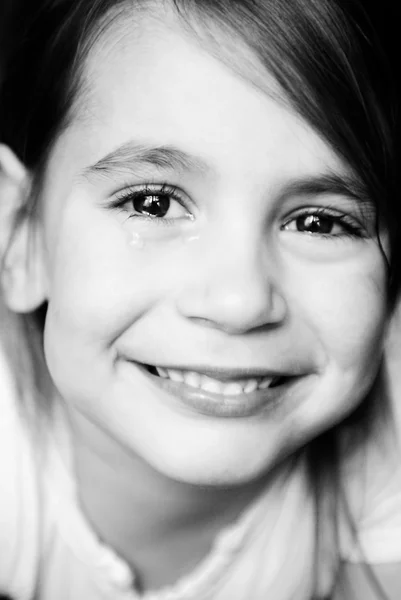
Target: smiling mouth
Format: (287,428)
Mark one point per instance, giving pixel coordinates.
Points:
(234,386)
(223,392)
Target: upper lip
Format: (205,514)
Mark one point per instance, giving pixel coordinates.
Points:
(233,374)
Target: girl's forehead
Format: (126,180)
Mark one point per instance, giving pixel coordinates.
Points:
(154,82)
(135,32)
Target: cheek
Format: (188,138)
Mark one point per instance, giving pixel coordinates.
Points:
(345,308)
(100,286)
(345,304)
(352,318)
(98,283)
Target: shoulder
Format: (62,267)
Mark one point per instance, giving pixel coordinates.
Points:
(19,493)
(370,508)
(370,522)
(371,554)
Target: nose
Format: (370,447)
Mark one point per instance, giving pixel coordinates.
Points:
(233,288)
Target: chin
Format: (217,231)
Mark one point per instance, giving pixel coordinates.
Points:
(206,466)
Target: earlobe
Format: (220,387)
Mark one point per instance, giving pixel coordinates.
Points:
(22,267)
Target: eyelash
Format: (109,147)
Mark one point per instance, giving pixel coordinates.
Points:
(351,229)
(165,189)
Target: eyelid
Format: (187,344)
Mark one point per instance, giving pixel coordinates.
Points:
(323,211)
(123,196)
(353,224)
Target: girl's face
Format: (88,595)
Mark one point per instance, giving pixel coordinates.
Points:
(198,226)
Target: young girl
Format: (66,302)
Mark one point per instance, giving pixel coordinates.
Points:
(199,219)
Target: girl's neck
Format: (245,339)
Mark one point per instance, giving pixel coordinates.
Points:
(161,527)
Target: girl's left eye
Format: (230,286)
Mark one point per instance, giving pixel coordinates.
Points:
(153,202)
(319,222)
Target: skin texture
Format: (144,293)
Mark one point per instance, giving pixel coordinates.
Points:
(233,285)
(246,293)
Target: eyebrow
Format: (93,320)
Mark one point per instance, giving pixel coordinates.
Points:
(131,154)
(329,184)
(127,157)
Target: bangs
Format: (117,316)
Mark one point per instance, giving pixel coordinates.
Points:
(308,53)
(327,63)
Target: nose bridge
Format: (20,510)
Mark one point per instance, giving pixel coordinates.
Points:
(233,284)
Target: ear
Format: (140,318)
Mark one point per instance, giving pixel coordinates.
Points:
(22,268)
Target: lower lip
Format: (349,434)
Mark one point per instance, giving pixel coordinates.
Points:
(239,406)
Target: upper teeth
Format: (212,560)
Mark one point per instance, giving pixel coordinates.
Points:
(209,384)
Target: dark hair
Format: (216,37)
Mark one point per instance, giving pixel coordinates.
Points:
(334,60)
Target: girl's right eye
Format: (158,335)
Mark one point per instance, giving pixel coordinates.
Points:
(153,202)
